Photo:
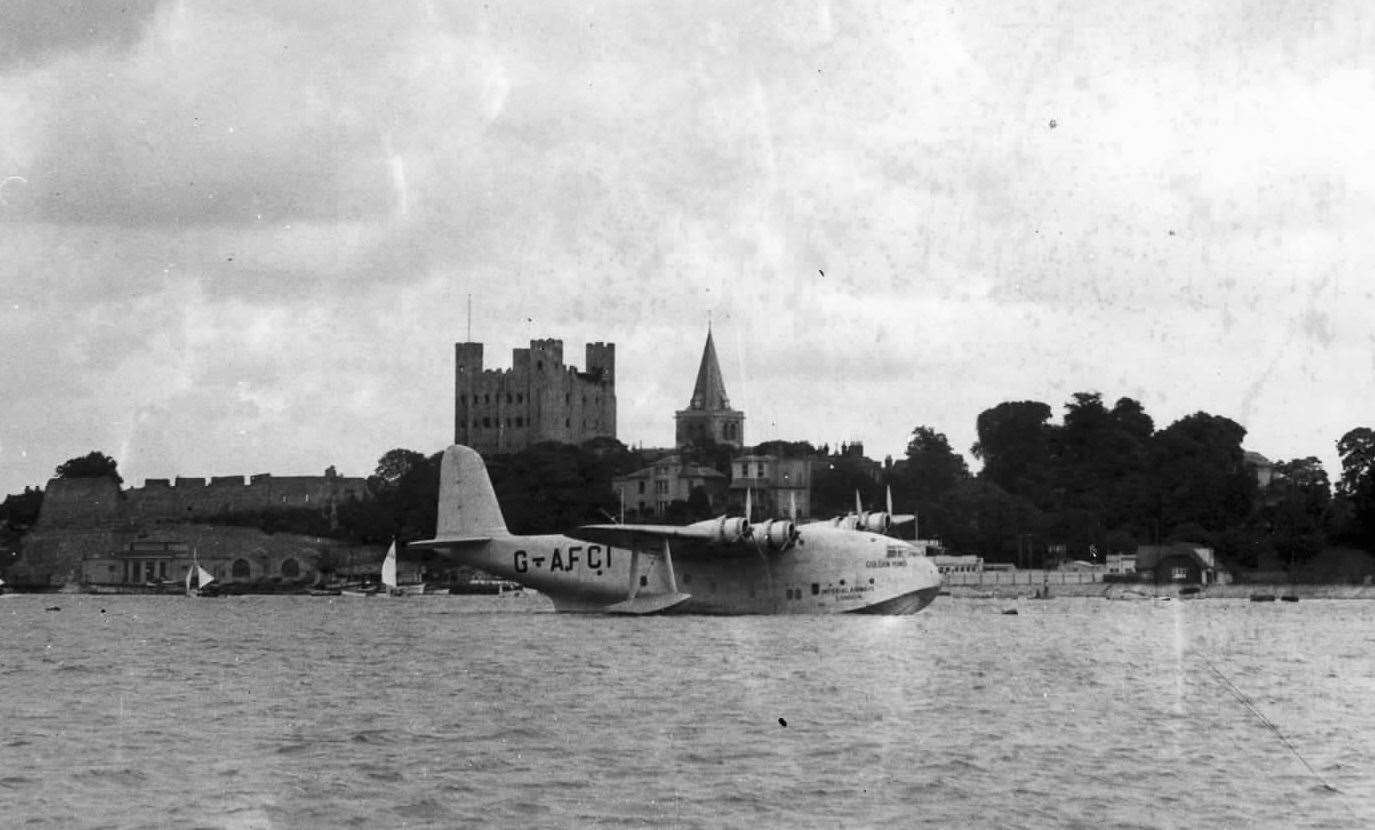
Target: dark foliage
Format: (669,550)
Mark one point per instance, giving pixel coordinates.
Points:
(91,465)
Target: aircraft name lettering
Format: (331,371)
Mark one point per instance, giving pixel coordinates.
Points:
(594,557)
(886,563)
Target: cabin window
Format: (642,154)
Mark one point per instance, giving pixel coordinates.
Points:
(463,400)
(842,582)
(642,489)
(644,581)
(486,422)
(816,588)
(508,397)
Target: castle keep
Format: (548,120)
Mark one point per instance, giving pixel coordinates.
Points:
(537,399)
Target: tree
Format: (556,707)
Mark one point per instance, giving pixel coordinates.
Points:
(1356,490)
(932,467)
(1014,444)
(788,449)
(20,510)
(835,483)
(984,519)
(91,465)
(1200,474)
(552,487)
(395,465)
(1295,507)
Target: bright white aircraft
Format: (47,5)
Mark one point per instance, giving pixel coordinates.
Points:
(718,566)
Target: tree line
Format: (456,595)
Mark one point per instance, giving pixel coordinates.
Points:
(1101,480)
(1104,480)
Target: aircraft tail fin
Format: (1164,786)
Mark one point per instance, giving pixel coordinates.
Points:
(467,503)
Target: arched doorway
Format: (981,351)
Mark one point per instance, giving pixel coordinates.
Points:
(240,569)
(291,569)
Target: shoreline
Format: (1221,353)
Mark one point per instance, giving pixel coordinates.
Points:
(1146,590)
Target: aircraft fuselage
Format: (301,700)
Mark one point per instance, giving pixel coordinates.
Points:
(829,571)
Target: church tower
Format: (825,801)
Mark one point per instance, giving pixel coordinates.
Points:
(709,418)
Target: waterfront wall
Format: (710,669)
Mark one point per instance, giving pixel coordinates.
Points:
(104,556)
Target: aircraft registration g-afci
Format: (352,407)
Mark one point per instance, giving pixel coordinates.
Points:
(725,565)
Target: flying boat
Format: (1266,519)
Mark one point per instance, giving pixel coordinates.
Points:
(725,565)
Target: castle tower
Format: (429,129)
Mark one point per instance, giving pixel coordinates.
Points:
(709,418)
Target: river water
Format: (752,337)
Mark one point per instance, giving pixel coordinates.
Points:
(248,712)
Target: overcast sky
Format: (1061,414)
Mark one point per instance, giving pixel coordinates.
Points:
(237,237)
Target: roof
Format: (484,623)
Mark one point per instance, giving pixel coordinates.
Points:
(710,392)
(679,470)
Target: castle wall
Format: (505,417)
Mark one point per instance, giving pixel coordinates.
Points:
(81,502)
(537,399)
(193,498)
(90,531)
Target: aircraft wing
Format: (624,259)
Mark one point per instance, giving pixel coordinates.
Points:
(687,542)
(453,542)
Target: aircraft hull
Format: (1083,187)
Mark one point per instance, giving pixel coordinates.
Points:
(888,577)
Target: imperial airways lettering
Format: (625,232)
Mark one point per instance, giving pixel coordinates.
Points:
(593,556)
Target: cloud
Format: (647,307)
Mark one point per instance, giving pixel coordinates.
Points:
(243,235)
(37,30)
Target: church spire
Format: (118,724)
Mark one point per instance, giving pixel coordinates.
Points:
(709,418)
(710,392)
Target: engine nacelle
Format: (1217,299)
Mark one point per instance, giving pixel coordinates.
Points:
(876,522)
(776,533)
(724,529)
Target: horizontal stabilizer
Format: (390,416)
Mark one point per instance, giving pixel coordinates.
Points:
(647,603)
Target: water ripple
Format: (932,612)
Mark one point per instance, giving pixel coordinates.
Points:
(299,712)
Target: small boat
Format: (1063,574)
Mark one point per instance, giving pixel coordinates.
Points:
(1289,597)
(389,577)
(1262,597)
(198,581)
(367,589)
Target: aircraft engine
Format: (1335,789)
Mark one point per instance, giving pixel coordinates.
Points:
(776,533)
(876,522)
(724,529)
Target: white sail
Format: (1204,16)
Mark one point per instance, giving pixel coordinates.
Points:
(204,576)
(389,567)
(189,573)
